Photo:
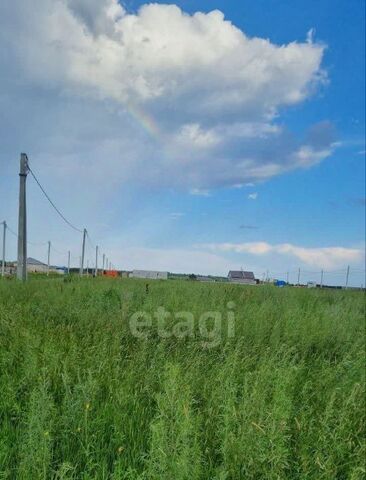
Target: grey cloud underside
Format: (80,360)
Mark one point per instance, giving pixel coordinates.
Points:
(212,94)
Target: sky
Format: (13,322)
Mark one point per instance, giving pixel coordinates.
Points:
(190,137)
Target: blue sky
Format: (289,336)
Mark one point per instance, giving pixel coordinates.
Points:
(185,142)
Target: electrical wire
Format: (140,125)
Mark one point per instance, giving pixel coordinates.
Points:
(90,240)
(36,244)
(57,251)
(51,202)
(11,231)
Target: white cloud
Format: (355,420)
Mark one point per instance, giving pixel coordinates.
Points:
(310,36)
(199,192)
(195,136)
(208,94)
(321,257)
(160,52)
(253,196)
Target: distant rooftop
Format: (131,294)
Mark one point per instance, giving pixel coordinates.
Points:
(241,275)
(33,261)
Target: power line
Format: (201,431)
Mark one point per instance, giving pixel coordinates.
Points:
(58,251)
(90,240)
(51,202)
(11,231)
(36,244)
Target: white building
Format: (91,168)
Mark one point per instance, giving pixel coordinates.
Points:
(35,266)
(149,274)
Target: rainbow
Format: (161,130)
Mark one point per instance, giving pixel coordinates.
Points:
(144,120)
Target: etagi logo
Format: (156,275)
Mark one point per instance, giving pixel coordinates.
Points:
(212,326)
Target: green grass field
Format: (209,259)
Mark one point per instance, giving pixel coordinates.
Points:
(282,397)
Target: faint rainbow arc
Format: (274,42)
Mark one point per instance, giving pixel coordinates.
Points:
(144,120)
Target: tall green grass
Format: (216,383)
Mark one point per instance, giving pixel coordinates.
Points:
(81,398)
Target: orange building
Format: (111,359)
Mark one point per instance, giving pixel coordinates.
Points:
(111,273)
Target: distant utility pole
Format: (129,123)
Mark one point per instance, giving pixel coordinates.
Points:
(347,276)
(48,258)
(321,279)
(68,262)
(106,263)
(267,276)
(298,277)
(87,268)
(22,219)
(288,278)
(103,262)
(96,261)
(83,253)
(4,243)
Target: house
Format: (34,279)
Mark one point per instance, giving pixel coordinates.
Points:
(149,274)
(240,276)
(35,266)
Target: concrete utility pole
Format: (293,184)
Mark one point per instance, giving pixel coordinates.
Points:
(68,262)
(298,277)
(22,220)
(103,262)
(4,244)
(347,276)
(106,263)
(48,258)
(83,253)
(321,279)
(96,261)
